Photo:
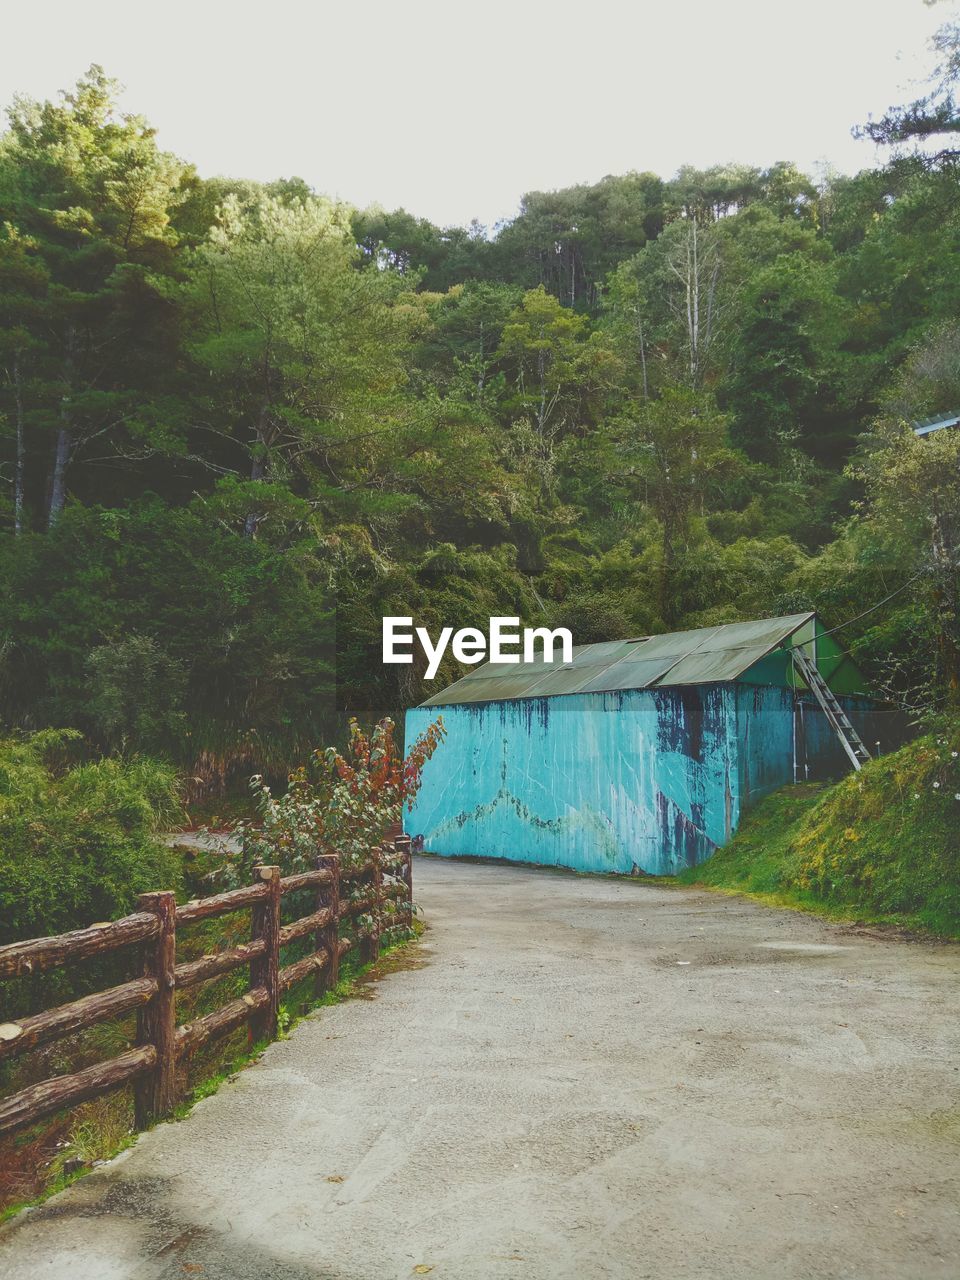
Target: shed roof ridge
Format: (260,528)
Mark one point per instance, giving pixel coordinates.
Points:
(805,617)
(618,669)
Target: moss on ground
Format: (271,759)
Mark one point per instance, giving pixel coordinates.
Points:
(881,845)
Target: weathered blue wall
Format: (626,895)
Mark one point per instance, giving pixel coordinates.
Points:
(766,739)
(642,779)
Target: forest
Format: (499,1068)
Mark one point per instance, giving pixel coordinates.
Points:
(242,422)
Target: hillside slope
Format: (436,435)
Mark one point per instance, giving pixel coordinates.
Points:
(881,845)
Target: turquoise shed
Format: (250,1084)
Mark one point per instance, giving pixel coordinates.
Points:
(639,755)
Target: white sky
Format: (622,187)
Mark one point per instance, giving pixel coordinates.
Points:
(454,109)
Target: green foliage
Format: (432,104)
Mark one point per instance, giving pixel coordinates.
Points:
(913,508)
(934,116)
(85,202)
(124,621)
(78,843)
(882,844)
(234,414)
(136,695)
(344,804)
(790,327)
(241,422)
(592,619)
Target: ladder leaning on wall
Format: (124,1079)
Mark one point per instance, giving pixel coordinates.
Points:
(850,740)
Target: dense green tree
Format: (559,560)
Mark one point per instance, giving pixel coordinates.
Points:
(305,353)
(236,632)
(913,503)
(459,352)
(24,286)
(87,192)
(639,404)
(569,241)
(783,357)
(559,370)
(677,448)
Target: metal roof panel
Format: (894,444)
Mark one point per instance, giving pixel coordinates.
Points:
(706,655)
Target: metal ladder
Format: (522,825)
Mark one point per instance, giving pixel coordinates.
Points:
(850,740)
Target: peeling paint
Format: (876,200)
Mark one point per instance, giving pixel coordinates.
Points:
(614,781)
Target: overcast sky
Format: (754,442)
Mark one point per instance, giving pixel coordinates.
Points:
(453,109)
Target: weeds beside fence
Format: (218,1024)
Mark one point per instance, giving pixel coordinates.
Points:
(341,896)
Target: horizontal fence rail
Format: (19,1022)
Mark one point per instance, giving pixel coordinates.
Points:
(341,894)
(40,954)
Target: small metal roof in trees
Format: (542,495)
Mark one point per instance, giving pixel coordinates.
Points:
(928,425)
(708,655)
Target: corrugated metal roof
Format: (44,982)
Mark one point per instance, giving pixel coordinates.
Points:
(708,655)
(927,425)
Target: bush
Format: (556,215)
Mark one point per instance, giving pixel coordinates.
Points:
(592,620)
(339,804)
(79,842)
(135,695)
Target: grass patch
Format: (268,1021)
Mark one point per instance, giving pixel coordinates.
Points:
(881,845)
(99,1130)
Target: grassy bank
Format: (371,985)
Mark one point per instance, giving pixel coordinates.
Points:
(882,845)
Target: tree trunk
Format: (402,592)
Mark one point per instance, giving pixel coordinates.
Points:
(643,358)
(20,463)
(61,459)
(694,277)
(696,267)
(64,445)
(667,601)
(542,374)
(258,470)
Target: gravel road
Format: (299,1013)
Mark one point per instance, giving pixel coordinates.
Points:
(569,1077)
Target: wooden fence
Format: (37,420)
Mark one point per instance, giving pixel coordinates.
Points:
(162,1043)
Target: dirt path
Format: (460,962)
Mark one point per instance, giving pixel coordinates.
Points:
(579,1078)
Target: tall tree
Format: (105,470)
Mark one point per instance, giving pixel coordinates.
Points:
(24,283)
(783,355)
(677,449)
(306,352)
(933,118)
(913,504)
(90,193)
(560,370)
(671,294)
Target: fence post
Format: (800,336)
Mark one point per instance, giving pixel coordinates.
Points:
(370,949)
(402,844)
(386,923)
(155,1092)
(264,969)
(328,938)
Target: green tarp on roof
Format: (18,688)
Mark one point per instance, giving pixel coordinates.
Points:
(706,656)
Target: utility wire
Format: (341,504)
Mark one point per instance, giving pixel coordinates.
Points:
(873,608)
